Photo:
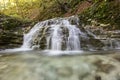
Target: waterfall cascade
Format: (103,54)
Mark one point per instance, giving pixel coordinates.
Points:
(63,34)
(58,34)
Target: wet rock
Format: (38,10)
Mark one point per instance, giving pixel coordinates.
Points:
(98,77)
(65,71)
(106,68)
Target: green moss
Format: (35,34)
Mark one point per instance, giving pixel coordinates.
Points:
(11,29)
(104,12)
(52,9)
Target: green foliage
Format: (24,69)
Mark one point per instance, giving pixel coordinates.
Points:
(11,23)
(46,8)
(19,8)
(56,8)
(105,12)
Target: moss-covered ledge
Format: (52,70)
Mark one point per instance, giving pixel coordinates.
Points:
(11,31)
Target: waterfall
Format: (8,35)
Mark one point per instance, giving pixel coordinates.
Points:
(59,34)
(64,34)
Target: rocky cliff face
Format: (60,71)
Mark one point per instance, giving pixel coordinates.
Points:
(11,30)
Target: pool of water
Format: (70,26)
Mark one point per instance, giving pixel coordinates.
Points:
(67,65)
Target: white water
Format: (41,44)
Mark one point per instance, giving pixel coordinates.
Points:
(61,33)
(27,43)
(62,36)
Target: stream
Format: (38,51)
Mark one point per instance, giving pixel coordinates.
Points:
(36,65)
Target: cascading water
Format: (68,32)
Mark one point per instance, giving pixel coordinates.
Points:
(56,34)
(63,34)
